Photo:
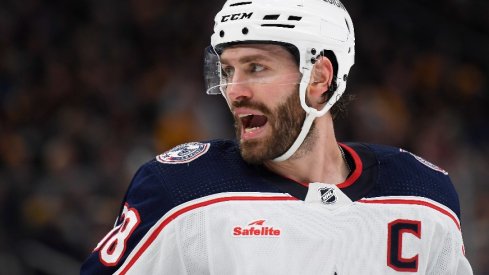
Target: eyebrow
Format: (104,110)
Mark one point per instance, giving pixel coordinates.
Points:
(250,58)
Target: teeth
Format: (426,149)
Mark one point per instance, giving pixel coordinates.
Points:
(244,115)
(249,130)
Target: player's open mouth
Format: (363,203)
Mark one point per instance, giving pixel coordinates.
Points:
(252,123)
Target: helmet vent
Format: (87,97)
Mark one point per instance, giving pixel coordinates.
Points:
(240,4)
(279,26)
(295,18)
(271,17)
(347,25)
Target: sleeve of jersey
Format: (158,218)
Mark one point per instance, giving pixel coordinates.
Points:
(145,203)
(447,255)
(408,177)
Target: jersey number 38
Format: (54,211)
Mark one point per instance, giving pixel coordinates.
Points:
(113,245)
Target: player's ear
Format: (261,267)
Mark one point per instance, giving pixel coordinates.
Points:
(321,79)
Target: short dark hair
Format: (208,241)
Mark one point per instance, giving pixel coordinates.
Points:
(339,108)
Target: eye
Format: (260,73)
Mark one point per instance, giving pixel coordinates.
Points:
(227,72)
(256,68)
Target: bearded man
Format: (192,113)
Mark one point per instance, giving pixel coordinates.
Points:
(285,197)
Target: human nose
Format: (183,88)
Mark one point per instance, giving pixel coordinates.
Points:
(238,90)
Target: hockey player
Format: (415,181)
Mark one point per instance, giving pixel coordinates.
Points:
(285,197)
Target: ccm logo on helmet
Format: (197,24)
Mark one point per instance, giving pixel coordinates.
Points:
(236,16)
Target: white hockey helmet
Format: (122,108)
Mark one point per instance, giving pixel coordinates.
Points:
(312,27)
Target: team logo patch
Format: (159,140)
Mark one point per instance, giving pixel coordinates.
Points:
(425,162)
(184,153)
(328,195)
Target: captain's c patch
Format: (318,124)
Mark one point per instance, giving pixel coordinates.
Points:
(184,153)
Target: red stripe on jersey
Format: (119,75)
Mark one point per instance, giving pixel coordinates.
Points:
(173,216)
(352,178)
(358,167)
(414,202)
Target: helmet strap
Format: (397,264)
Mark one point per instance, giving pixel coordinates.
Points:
(311,114)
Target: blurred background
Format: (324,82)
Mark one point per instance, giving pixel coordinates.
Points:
(90,90)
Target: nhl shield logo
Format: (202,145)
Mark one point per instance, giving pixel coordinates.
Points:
(184,153)
(327,195)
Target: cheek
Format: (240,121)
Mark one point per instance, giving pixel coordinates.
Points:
(287,112)
(279,96)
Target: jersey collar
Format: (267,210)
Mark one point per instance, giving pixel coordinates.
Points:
(361,180)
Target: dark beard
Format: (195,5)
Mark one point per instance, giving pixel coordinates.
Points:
(286,123)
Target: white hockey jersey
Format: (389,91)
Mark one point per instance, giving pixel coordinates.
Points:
(199,209)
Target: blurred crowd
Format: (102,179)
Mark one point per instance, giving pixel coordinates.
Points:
(92,89)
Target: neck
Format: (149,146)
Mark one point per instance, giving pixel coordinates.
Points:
(319,158)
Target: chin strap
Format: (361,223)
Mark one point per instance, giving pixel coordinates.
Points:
(311,114)
(306,126)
